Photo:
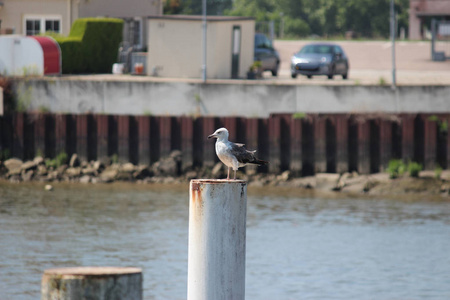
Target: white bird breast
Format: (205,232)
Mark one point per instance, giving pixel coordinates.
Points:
(225,156)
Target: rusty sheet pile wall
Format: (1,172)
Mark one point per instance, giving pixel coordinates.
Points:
(304,144)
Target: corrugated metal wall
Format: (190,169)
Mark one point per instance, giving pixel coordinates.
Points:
(307,145)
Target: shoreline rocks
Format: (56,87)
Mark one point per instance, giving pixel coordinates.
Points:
(168,170)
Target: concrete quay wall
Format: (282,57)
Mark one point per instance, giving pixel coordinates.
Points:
(241,98)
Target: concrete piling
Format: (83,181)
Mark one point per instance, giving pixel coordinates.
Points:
(100,283)
(217,232)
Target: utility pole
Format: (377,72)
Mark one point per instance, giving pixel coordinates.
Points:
(281,25)
(204,41)
(394,83)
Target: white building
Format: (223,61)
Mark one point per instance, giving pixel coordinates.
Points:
(175,46)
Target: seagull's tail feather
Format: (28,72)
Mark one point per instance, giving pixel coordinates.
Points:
(259,162)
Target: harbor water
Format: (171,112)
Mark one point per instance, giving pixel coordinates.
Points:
(298,246)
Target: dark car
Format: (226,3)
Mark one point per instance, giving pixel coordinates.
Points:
(266,54)
(320,59)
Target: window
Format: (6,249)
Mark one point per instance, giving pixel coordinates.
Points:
(136,26)
(52,25)
(33,27)
(318,49)
(40,24)
(261,41)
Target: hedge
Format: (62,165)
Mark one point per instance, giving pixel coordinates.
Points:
(92,45)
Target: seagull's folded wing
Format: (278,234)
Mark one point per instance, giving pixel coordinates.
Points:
(242,155)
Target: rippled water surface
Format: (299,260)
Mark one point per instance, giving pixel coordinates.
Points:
(298,247)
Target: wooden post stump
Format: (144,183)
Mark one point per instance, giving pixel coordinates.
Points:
(100,283)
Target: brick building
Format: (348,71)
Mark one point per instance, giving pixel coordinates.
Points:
(421,10)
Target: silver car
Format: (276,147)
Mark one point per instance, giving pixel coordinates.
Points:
(320,59)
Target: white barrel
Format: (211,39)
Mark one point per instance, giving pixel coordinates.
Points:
(217,229)
(118,68)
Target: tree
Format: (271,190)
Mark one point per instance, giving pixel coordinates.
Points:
(367,18)
(195,7)
(259,9)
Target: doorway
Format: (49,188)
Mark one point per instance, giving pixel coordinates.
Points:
(236,51)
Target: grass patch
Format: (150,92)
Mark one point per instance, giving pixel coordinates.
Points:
(299,115)
(414,169)
(59,160)
(396,168)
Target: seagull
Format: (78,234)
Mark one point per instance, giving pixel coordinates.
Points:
(233,155)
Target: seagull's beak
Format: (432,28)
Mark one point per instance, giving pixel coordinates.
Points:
(212,136)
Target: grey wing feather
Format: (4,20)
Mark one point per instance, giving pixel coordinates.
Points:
(243,155)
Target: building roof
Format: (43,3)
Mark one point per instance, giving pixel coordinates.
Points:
(431,13)
(200,18)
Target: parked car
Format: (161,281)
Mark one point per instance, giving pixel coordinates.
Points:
(266,54)
(320,59)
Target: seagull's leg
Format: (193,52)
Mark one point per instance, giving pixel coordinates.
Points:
(228,176)
(234,174)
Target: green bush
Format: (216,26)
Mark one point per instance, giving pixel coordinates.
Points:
(61,159)
(396,168)
(50,163)
(71,57)
(114,158)
(414,169)
(91,46)
(58,161)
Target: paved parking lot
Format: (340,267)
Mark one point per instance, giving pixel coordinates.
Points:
(371,63)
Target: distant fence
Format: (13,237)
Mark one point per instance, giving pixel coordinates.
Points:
(304,144)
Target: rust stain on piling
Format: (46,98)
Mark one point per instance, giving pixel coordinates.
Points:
(197,186)
(196,192)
